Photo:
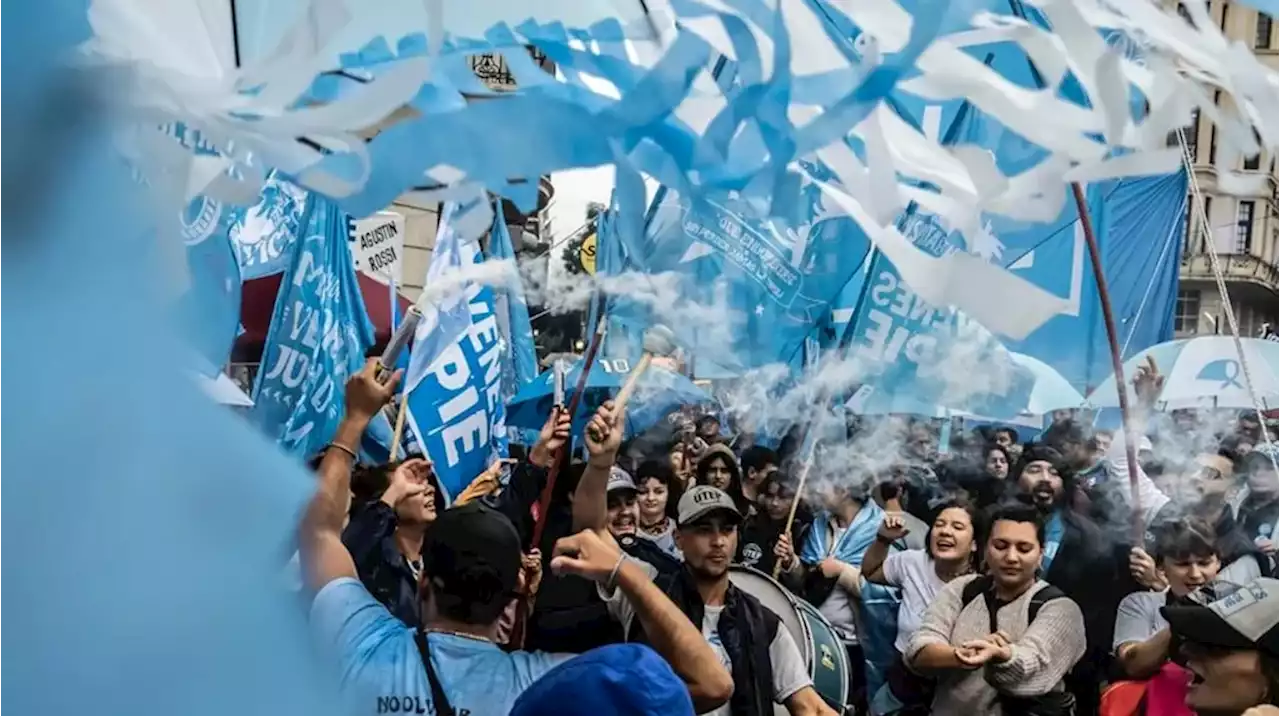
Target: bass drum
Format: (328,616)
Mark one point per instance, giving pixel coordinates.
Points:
(819,644)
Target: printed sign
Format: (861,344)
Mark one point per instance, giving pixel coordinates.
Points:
(587,254)
(377,244)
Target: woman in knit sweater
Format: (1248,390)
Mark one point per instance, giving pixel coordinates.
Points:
(988,652)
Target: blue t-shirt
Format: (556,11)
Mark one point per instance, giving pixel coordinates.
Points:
(381,670)
(1053,531)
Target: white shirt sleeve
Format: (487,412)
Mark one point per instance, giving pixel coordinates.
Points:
(789,672)
(1150,498)
(893,567)
(617,603)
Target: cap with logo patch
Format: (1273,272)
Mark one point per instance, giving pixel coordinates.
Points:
(619,479)
(1245,619)
(702,501)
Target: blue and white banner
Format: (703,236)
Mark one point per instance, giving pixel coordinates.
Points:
(750,290)
(319,336)
(454,381)
(520,363)
(264,233)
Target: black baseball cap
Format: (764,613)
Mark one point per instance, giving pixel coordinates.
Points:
(469,540)
(1243,618)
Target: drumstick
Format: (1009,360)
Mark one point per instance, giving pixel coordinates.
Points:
(658,341)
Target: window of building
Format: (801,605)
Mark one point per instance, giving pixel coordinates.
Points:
(1251,164)
(1223,23)
(1213,144)
(1189,133)
(1204,237)
(1244,226)
(1186,312)
(1262,37)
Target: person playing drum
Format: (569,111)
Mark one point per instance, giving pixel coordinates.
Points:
(753,645)
(759,652)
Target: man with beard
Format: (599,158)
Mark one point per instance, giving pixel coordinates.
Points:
(1212,476)
(1078,560)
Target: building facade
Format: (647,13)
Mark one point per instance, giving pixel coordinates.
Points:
(1240,230)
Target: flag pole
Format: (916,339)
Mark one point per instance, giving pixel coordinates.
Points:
(1117,363)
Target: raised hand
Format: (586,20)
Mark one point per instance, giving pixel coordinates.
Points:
(408,479)
(1147,382)
(893,527)
(553,436)
(585,554)
(1143,568)
(365,395)
(603,435)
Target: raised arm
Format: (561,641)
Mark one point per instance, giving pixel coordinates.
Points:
(670,633)
(892,529)
(322,554)
(602,436)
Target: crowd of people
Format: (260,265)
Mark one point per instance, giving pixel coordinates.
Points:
(990,578)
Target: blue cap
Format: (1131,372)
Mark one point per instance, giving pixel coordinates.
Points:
(621,679)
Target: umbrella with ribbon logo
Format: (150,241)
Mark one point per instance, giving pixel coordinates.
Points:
(1207,372)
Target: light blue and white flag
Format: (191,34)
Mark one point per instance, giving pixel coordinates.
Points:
(520,364)
(748,290)
(319,336)
(455,369)
(264,234)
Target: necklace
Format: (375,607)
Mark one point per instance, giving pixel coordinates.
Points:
(655,529)
(463,635)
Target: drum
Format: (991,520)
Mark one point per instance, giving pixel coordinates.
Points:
(819,644)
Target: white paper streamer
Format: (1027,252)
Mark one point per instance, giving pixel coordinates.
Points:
(1175,65)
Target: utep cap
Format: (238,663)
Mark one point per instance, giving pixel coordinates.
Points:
(620,479)
(466,537)
(702,501)
(622,679)
(1244,619)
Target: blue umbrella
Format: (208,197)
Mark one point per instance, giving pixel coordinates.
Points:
(659,392)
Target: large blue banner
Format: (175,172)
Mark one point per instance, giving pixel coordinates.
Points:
(319,336)
(456,405)
(1140,225)
(747,290)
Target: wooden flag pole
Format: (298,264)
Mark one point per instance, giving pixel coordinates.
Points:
(1117,363)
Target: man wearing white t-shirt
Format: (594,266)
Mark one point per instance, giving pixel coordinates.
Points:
(752,643)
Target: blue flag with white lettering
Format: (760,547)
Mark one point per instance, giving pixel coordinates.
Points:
(520,364)
(455,369)
(743,291)
(319,336)
(264,233)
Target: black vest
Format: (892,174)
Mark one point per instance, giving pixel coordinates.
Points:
(746,629)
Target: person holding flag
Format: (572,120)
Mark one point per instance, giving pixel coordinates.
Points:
(471,562)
